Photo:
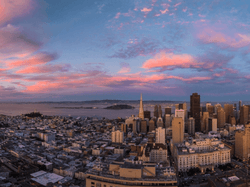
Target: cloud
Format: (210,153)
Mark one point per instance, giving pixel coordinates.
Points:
(125,68)
(37,59)
(44,69)
(170,60)
(15,42)
(10,9)
(211,36)
(146,10)
(139,48)
(204,62)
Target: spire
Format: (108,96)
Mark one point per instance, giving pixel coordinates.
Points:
(141,111)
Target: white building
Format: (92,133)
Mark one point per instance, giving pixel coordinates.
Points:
(117,136)
(180,114)
(201,153)
(160,136)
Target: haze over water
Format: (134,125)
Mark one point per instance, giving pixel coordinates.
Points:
(76,109)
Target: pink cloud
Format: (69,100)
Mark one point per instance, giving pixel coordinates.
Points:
(184,9)
(13,9)
(44,69)
(164,11)
(146,10)
(125,68)
(211,36)
(37,59)
(177,4)
(14,42)
(170,60)
(117,15)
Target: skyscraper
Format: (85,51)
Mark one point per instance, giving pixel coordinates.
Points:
(147,114)
(195,110)
(240,103)
(141,111)
(168,110)
(167,120)
(160,135)
(229,111)
(244,110)
(205,117)
(156,111)
(191,126)
(242,143)
(177,130)
(220,117)
(159,111)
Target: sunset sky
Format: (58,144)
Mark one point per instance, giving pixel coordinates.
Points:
(116,49)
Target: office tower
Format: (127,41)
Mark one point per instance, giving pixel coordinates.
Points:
(177,107)
(117,136)
(180,113)
(232,120)
(177,130)
(159,111)
(244,110)
(147,114)
(242,143)
(168,110)
(216,106)
(220,117)
(210,110)
(124,127)
(156,114)
(205,121)
(212,124)
(229,111)
(191,126)
(181,106)
(207,105)
(159,122)
(151,125)
(144,126)
(195,110)
(240,104)
(160,135)
(235,106)
(141,111)
(168,120)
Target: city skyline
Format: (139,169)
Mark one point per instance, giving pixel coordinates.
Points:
(94,50)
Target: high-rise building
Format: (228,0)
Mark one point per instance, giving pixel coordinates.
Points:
(232,120)
(144,126)
(156,114)
(180,113)
(242,143)
(159,122)
(195,110)
(168,120)
(207,105)
(229,111)
(177,107)
(177,130)
(124,127)
(204,125)
(216,106)
(117,136)
(210,110)
(212,124)
(244,110)
(168,110)
(151,125)
(141,111)
(159,111)
(147,114)
(160,135)
(191,126)
(220,117)
(240,104)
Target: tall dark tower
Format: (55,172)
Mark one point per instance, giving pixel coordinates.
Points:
(195,110)
(156,114)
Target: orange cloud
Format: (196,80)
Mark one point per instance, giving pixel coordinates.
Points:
(43,69)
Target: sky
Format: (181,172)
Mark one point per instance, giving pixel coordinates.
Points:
(115,49)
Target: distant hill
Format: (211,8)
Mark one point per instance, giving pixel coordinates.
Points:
(119,107)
